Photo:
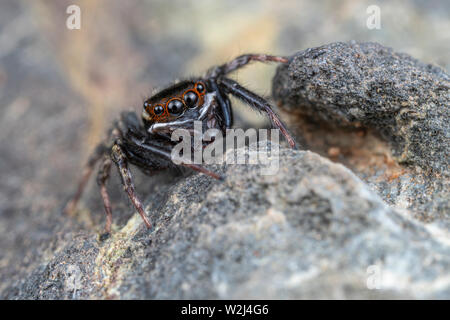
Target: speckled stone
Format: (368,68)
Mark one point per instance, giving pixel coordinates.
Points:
(405,100)
(314,230)
(362,104)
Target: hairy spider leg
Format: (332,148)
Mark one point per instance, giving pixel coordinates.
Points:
(164,153)
(102,177)
(99,151)
(241,61)
(224,104)
(121,162)
(256,102)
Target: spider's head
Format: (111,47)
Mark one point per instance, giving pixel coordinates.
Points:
(178,107)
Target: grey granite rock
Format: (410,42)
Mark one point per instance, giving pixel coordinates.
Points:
(383,114)
(314,230)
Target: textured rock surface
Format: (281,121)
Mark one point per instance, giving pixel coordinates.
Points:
(312,231)
(367,84)
(363,103)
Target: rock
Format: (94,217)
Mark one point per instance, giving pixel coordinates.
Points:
(314,230)
(381,113)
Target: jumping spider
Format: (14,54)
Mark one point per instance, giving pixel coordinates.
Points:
(147,144)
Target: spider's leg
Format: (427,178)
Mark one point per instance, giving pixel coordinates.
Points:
(102,177)
(93,159)
(114,133)
(203,170)
(164,153)
(224,104)
(241,61)
(121,162)
(256,102)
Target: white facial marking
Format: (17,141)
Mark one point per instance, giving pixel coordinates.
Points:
(204,110)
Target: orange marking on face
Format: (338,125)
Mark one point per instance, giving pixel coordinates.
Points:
(166,116)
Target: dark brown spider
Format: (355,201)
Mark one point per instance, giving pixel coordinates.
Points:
(148,145)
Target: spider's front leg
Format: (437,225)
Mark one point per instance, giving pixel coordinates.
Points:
(119,158)
(242,61)
(157,149)
(256,102)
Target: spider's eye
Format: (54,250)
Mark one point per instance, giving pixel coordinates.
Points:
(175,107)
(190,98)
(158,110)
(200,87)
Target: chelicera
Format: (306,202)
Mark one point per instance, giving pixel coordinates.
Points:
(146,142)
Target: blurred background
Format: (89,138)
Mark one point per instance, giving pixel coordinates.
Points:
(60,88)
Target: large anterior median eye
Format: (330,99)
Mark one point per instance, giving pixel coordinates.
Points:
(175,107)
(190,98)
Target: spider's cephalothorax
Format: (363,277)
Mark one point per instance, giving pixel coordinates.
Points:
(179,106)
(147,143)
